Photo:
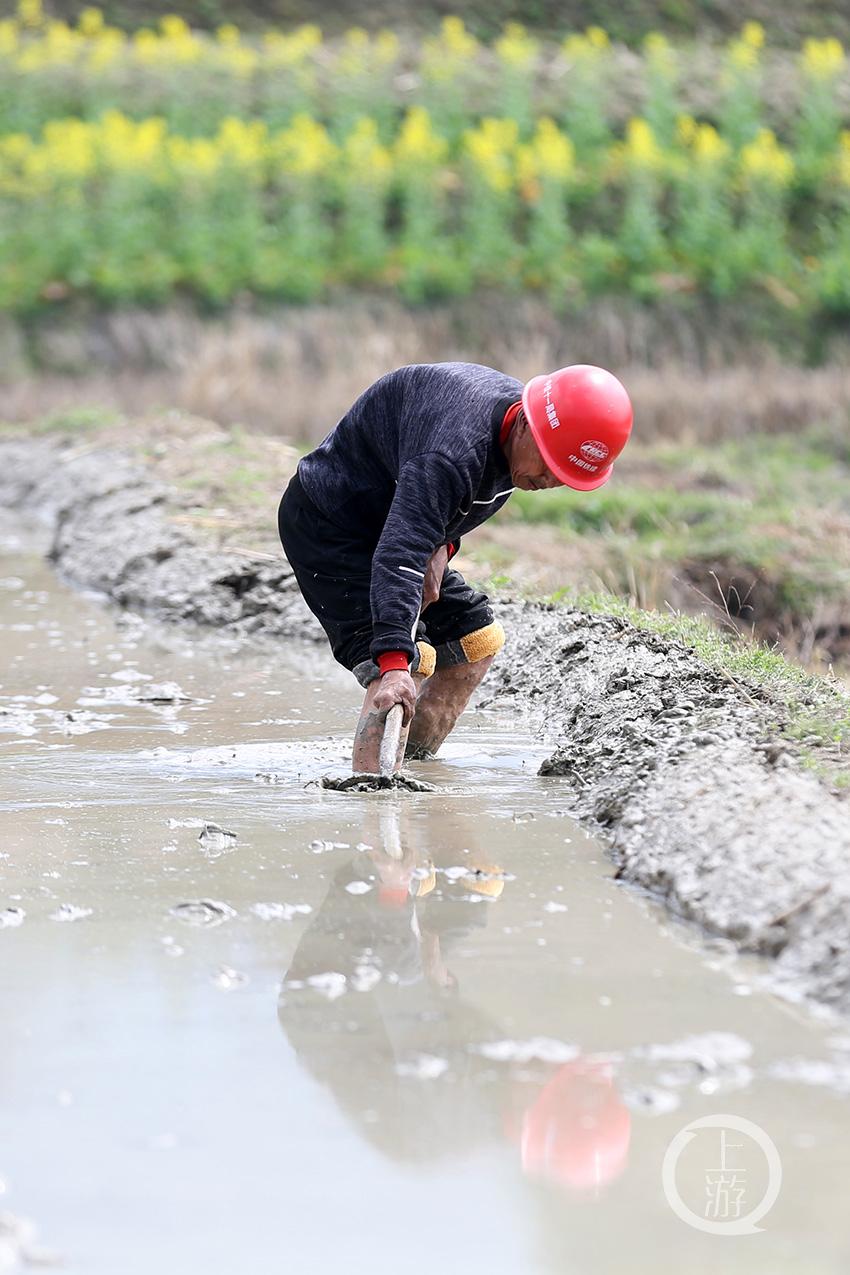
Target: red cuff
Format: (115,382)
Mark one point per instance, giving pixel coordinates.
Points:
(388,660)
(452,550)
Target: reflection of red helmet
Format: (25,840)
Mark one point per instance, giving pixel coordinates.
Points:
(576,1132)
(581,418)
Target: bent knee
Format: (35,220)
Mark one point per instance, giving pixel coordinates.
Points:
(481,644)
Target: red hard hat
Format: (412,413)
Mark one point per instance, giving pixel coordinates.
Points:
(581,418)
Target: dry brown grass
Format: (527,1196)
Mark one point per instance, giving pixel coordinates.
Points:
(294,371)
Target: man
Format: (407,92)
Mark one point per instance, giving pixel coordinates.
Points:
(372,517)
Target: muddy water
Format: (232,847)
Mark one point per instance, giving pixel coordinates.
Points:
(362,1033)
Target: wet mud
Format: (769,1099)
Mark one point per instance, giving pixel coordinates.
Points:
(682,770)
(376,783)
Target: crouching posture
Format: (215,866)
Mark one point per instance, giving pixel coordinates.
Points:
(373,517)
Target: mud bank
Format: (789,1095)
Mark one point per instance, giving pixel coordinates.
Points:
(113,531)
(704,802)
(683,768)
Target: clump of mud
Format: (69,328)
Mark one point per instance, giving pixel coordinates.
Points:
(375,783)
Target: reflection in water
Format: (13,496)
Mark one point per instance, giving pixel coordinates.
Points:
(375,1012)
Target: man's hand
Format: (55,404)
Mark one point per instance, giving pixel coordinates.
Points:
(397,687)
(434,573)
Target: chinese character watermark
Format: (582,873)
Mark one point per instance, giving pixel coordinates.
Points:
(727,1208)
(725,1188)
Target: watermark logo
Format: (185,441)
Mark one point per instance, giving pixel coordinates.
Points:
(722,1174)
(592,449)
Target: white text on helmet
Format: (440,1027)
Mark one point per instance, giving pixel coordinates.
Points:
(583,464)
(551,414)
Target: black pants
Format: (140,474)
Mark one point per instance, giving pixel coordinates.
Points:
(334,572)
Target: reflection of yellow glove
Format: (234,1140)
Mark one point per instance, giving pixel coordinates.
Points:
(485,879)
(422,885)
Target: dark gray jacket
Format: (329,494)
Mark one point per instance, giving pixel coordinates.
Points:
(413,465)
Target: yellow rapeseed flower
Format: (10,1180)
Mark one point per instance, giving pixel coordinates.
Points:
(417,145)
(355,44)
(145,45)
(56,46)
(241,59)
(193,157)
(742,56)
(456,40)
(8,37)
(705,144)
(294,49)
(492,148)
(177,42)
(90,23)
(126,145)
(67,149)
(549,156)
(30,13)
(174,27)
(109,45)
(708,146)
(763,159)
(752,34)
(686,128)
(15,149)
(823,59)
(445,56)
(243,142)
(515,47)
(366,159)
(386,47)
(641,149)
(745,50)
(232,54)
(304,149)
(589,47)
(360,54)
(660,53)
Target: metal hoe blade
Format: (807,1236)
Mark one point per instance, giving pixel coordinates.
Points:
(389,744)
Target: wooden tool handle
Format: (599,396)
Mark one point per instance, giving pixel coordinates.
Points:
(389,744)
